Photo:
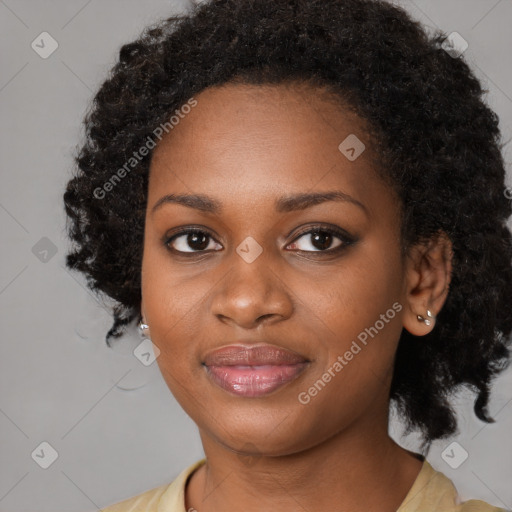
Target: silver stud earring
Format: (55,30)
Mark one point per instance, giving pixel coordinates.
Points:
(143,329)
(426,320)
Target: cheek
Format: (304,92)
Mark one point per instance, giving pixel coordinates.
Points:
(170,291)
(356,292)
(358,319)
(170,306)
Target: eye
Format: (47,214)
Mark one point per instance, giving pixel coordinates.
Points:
(321,239)
(191,240)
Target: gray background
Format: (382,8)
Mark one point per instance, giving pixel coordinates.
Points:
(114,424)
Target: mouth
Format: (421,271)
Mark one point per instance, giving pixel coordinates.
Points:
(253,371)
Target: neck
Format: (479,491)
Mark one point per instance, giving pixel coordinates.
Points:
(359,468)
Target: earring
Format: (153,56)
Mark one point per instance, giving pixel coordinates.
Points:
(426,320)
(143,329)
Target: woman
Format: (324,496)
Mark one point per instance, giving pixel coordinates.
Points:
(303,204)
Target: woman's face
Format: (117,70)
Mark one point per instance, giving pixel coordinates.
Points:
(267,269)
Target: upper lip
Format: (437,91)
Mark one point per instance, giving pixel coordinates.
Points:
(261,354)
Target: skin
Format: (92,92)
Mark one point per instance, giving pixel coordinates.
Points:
(245,146)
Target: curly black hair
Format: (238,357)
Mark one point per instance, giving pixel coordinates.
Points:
(438,143)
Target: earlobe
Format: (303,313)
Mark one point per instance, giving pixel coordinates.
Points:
(427,321)
(143,326)
(144,329)
(419,324)
(428,275)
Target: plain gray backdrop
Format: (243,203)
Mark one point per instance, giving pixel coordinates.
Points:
(110,423)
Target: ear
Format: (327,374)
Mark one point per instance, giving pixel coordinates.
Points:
(428,276)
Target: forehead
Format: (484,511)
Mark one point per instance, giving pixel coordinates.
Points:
(248,141)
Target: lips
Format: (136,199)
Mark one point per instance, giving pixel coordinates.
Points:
(234,355)
(253,371)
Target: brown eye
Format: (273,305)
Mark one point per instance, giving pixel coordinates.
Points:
(190,241)
(320,240)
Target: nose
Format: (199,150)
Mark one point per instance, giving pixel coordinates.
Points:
(252,293)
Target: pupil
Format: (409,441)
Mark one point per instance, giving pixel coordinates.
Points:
(192,240)
(323,239)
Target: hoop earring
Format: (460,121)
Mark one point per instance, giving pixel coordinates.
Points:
(427,321)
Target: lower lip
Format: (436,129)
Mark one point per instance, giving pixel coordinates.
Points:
(253,381)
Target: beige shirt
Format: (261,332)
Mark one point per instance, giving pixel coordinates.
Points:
(432,491)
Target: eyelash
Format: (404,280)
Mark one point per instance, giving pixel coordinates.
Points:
(345,238)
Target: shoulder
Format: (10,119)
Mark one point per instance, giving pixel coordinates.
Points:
(147,501)
(170,497)
(433,490)
(478,506)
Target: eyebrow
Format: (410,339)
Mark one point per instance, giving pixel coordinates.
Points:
(282,204)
